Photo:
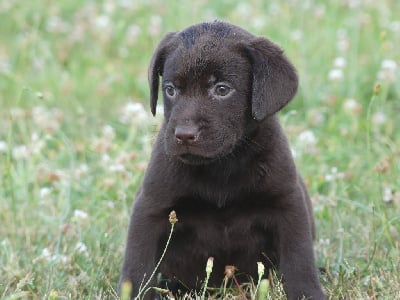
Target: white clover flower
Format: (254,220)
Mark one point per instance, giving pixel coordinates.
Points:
(35,137)
(134,108)
(81,248)
(102,22)
(110,204)
(108,132)
(56,24)
(354,3)
(324,242)
(386,75)
(133,113)
(20,152)
(379,118)
(275,9)
(60,258)
(117,168)
(339,62)
(343,42)
(81,170)
(47,120)
(243,9)
(389,64)
(351,106)
(334,175)
(3,146)
(105,158)
(387,194)
(109,7)
(316,116)
(39,114)
(258,22)
(319,11)
(37,144)
(155,25)
(53,23)
(306,142)
(80,214)
(329,177)
(395,26)
(44,192)
(102,145)
(127,4)
(388,70)
(132,33)
(296,35)
(335,74)
(307,138)
(5,66)
(46,253)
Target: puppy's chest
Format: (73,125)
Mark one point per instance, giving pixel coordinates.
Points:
(229,192)
(231,227)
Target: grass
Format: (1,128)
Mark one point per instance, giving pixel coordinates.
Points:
(75,139)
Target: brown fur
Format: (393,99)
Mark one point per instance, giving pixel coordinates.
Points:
(222,162)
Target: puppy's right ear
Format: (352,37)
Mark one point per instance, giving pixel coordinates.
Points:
(156,69)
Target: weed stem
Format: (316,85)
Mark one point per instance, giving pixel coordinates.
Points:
(144,288)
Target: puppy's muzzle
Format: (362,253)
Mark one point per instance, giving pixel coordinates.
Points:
(186,135)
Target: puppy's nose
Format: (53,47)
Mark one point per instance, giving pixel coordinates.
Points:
(186,134)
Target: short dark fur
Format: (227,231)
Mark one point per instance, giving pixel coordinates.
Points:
(222,162)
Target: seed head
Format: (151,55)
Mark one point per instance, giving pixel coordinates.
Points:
(172,217)
(161,291)
(261,269)
(377,88)
(210,264)
(53,295)
(230,271)
(126,289)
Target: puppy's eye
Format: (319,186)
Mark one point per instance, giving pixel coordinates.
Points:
(222,90)
(170,91)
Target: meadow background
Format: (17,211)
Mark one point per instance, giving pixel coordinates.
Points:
(76,134)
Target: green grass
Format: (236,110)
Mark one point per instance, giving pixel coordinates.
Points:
(73,145)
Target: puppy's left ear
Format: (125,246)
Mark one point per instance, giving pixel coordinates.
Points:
(156,68)
(274,78)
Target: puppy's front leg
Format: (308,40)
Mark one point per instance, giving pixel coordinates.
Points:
(141,252)
(297,262)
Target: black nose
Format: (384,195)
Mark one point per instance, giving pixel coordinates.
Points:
(186,134)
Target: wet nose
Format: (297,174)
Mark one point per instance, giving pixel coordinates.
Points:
(186,134)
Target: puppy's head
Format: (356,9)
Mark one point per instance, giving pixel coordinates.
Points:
(218,81)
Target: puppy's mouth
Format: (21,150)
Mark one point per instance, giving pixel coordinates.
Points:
(193,159)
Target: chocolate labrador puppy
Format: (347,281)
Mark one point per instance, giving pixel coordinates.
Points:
(222,162)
